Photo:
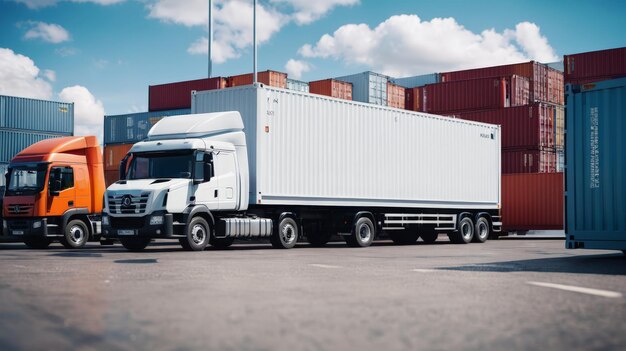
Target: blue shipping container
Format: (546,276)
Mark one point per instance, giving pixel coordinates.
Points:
(133,127)
(12,142)
(36,115)
(416,81)
(368,87)
(595,165)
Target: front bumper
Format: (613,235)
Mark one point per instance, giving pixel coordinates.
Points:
(125,227)
(19,228)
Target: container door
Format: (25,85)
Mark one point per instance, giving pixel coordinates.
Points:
(61,190)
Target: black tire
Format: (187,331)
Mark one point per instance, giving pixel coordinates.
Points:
(37,243)
(135,244)
(285,234)
(429,237)
(481,230)
(316,234)
(221,243)
(404,237)
(363,233)
(198,234)
(76,234)
(464,233)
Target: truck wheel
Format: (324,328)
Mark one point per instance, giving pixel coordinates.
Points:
(37,243)
(481,230)
(198,235)
(429,237)
(76,234)
(221,243)
(465,232)
(285,235)
(363,233)
(135,244)
(404,237)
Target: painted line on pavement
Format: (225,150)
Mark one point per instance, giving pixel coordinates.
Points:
(319,265)
(578,289)
(423,270)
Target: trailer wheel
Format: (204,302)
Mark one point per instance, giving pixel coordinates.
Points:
(429,237)
(464,233)
(404,237)
(75,235)
(221,243)
(37,243)
(286,234)
(198,234)
(135,244)
(481,231)
(363,233)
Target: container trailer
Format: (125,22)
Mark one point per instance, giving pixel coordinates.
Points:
(262,162)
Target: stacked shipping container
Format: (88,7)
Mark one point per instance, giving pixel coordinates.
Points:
(368,87)
(332,87)
(595,66)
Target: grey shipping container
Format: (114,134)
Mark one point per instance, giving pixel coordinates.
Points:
(416,81)
(3,170)
(13,141)
(133,127)
(36,115)
(368,87)
(297,85)
(595,166)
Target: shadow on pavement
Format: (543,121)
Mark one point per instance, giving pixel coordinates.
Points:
(609,264)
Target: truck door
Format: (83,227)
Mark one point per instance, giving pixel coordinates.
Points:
(61,191)
(226,171)
(207,192)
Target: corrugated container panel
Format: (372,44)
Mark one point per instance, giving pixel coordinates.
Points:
(395,96)
(518,91)
(292,151)
(271,78)
(113,155)
(36,115)
(532,201)
(595,165)
(559,127)
(475,94)
(297,85)
(12,142)
(133,127)
(111,177)
(174,96)
(416,81)
(414,99)
(528,126)
(368,87)
(332,87)
(3,170)
(528,161)
(595,65)
(556,94)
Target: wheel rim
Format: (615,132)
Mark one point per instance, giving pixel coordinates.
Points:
(288,234)
(365,233)
(77,234)
(198,234)
(466,230)
(483,230)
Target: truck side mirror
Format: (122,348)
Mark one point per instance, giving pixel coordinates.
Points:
(123,165)
(208,171)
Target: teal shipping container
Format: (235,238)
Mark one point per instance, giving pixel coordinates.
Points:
(36,115)
(595,165)
(368,87)
(133,127)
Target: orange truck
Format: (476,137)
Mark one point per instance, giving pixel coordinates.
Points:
(54,191)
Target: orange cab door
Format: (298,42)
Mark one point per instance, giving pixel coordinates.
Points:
(61,190)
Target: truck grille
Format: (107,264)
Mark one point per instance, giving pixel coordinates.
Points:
(128,204)
(22,209)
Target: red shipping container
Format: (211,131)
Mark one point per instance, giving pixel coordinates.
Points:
(331,87)
(556,86)
(528,161)
(532,201)
(465,95)
(173,96)
(528,126)
(518,91)
(534,71)
(595,66)
(414,100)
(111,177)
(271,78)
(395,95)
(113,155)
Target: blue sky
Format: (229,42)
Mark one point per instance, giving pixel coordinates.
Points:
(114,49)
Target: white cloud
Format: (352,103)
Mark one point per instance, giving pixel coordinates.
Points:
(307,11)
(406,45)
(50,75)
(88,111)
(37,4)
(49,32)
(20,77)
(66,51)
(295,68)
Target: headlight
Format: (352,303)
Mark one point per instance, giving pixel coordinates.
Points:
(36,224)
(105,220)
(156,220)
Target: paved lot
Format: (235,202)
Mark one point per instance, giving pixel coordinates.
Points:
(251,297)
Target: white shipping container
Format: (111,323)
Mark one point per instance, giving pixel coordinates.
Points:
(307,149)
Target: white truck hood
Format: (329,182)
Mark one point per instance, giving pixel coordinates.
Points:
(147,195)
(146,185)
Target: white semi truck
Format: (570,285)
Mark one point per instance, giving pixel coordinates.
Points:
(261,162)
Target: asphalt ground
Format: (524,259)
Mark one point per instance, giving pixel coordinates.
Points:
(513,294)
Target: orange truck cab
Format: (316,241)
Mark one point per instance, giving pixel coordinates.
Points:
(54,191)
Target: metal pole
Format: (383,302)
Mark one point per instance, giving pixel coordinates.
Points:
(210,37)
(254,37)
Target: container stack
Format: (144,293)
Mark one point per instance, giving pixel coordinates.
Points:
(332,87)
(369,87)
(24,122)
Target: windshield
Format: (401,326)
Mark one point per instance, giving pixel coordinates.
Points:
(153,165)
(26,179)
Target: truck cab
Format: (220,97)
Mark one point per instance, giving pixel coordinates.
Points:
(54,191)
